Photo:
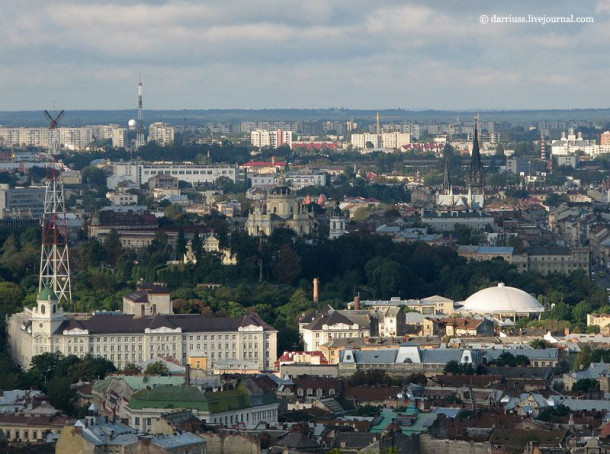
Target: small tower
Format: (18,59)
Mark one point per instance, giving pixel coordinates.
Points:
(337,223)
(46,318)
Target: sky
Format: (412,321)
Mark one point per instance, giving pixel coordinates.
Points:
(260,54)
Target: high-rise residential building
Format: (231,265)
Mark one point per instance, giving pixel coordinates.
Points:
(70,138)
(261,138)
(362,140)
(395,140)
(162,133)
(572,143)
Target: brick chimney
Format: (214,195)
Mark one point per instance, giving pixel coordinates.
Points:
(316,290)
(357,302)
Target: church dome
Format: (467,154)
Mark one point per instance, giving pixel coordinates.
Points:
(281,190)
(46,294)
(502,300)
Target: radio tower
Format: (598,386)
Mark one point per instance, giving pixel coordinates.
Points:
(140,121)
(54,132)
(54,259)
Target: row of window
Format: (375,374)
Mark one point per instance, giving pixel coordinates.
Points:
(187,172)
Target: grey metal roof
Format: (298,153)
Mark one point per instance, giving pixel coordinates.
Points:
(177,441)
(376,356)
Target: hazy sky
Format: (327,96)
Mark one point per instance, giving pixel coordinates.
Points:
(371,54)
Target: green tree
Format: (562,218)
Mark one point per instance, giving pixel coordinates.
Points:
(113,247)
(585,386)
(156,368)
(131,369)
(61,394)
(94,178)
(197,246)
(540,344)
(11,299)
(287,267)
(180,248)
(584,358)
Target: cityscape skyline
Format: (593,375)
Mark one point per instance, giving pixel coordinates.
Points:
(239,55)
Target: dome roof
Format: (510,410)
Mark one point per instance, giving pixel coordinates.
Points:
(502,299)
(46,294)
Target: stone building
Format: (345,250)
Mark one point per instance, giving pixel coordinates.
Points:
(148,330)
(280,209)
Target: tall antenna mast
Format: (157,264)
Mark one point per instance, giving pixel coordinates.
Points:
(54,257)
(140,121)
(53,131)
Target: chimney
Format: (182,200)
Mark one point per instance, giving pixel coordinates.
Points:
(187,375)
(316,291)
(566,331)
(357,302)
(273,161)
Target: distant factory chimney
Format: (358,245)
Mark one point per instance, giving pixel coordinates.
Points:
(316,290)
(357,302)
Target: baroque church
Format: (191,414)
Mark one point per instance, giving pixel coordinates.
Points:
(281,208)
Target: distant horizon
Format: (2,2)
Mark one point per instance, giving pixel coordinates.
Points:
(82,117)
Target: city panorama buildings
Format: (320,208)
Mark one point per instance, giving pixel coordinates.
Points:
(144,331)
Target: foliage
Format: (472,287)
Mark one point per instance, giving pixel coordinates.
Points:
(368,410)
(540,344)
(508,359)
(586,356)
(156,368)
(553,414)
(370,378)
(55,374)
(585,385)
(131,369)
(455,368)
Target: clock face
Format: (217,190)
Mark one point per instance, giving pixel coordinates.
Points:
(40,325)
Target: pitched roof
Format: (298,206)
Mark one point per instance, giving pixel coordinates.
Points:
(102,323)
(333,318)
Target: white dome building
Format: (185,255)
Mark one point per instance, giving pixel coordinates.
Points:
(502,301)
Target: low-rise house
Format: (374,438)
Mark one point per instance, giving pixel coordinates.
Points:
(318,329)
(113,394)
(601,320)
(468,326)
(247,405)
(95,435)
(316,387)
(596,371)
(314,358)
(19,427)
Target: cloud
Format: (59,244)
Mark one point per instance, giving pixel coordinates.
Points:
(268,53)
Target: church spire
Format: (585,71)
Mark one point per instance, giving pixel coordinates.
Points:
(446,177)
(477,177)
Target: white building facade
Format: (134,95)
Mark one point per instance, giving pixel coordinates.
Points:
(124,338)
